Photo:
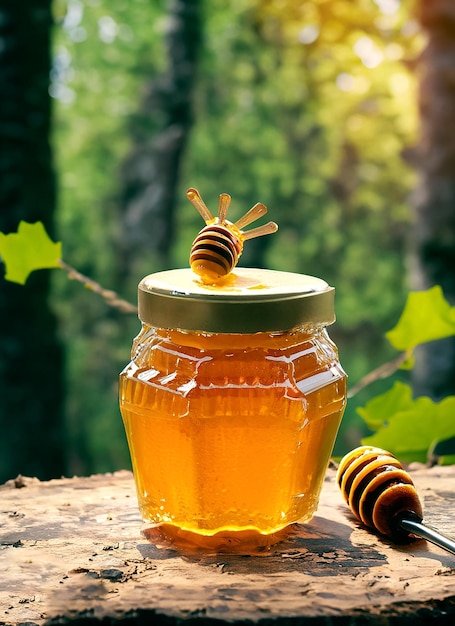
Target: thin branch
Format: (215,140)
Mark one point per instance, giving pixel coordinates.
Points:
(383,371)
(111,297)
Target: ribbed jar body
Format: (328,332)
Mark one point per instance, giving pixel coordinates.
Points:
(231,431)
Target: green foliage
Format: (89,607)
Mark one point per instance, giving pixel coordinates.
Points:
(301,120)
(426,316)
(27,250)
(411,427)
(104,54)
(305,105)
(407,427)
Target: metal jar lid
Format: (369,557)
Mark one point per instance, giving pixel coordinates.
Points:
(251,300)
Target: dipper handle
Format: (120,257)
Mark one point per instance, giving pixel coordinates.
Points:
(382,495)
(420,529)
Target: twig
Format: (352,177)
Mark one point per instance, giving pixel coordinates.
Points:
(383,371)
(109,296)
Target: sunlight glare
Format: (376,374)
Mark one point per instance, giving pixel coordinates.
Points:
(399,83)
(349,83)
(308,34)
(388,7)
(345,81)
(61,73)
(74,15)
(394,52)
(107,29)
(62,92)
(367,51)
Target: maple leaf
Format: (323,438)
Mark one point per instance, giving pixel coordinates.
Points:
(28,250)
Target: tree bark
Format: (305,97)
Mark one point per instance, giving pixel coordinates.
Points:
(160,132)
(31,388)
(434,202)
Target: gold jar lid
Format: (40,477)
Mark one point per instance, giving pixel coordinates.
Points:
(250,300)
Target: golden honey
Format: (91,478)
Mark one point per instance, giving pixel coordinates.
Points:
(231,431)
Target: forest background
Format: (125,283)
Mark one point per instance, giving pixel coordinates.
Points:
(319,109)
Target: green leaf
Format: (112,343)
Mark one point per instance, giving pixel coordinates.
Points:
(412,427)
(377,411)
(449,459)
(27,250)
(426,316)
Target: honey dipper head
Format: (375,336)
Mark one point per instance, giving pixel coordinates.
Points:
(218,246)
(378,490)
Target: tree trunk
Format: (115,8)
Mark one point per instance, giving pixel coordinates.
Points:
(31,439)
(160,133)
(434,254)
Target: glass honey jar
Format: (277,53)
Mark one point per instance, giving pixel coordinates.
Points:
(232,402)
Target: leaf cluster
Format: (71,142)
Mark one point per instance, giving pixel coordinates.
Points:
(412,428)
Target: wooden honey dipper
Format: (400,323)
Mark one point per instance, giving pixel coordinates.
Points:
(381,494)
(218,246)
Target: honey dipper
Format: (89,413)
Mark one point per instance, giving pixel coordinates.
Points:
(381,494)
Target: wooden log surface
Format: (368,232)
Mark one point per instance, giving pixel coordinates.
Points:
(72,550)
